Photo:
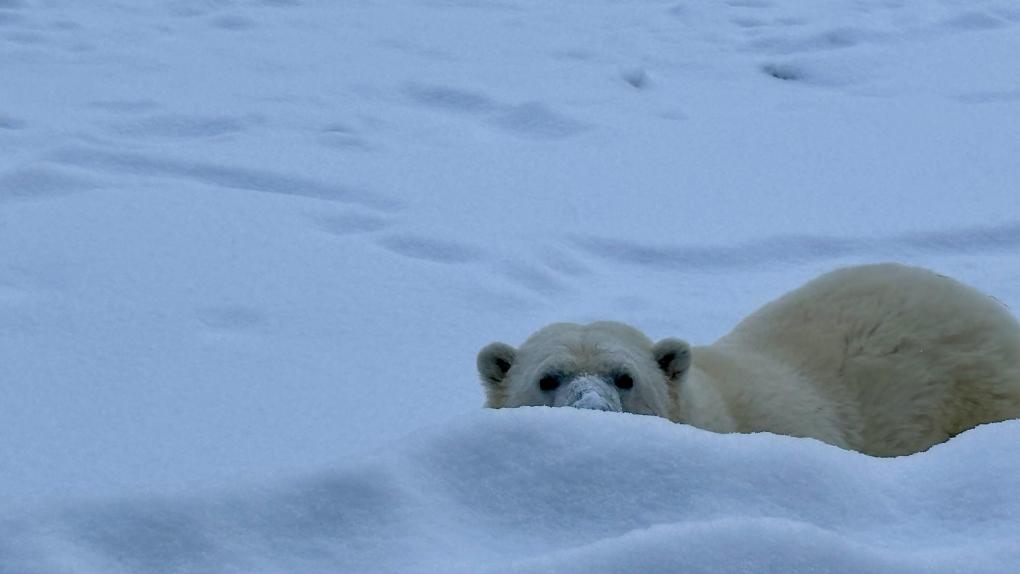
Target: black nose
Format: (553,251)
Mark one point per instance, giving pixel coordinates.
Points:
(549,383)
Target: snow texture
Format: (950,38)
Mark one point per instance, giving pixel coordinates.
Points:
(566,490)
(249,249)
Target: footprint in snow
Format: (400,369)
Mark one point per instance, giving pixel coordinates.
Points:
(749,22)
(637,78)
(562,262)
(530,119)
(430,249)
(351,223)
(535,120)
(754,4)
(973,21)
(450,99)
(216,175)
(551,271)
(990,97)
(342,136)
(801,248)
(823,73)
(125,106)
(233,22)
(540,280)
(179,126)
(826,40)
(784,71)
(232,318)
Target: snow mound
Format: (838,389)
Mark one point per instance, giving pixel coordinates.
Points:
(564,490)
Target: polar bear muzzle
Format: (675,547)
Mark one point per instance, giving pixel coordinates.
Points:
(588,391)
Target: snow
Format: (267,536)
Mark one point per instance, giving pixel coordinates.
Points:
(566,490)
(250,249)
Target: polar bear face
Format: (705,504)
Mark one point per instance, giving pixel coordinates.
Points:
(606,366)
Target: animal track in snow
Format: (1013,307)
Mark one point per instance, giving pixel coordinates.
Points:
(429,249)
(832,39)
(533,277)
(824,73)
(967,240)
(990,97)
(233,22)
(193,8)
(529,119)
(216,175)
(351,223)
(538,121)
(799,248)
(973,21)
(450,99)
(183,126)
(125,106)
(756,4)
(562,262)
(342,136)
(201,8)
(749,22)
(231,317)
(550,270)
(785,72)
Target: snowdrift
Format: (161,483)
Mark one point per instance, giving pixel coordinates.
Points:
(561,490)
(241,240)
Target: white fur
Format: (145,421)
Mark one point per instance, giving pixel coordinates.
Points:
(883,359)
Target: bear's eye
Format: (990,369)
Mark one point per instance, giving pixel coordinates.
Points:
(623,381)
(549,383)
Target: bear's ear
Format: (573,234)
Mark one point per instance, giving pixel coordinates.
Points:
(494,362)
(674,358)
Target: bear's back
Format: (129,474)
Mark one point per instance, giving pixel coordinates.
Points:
(909,357)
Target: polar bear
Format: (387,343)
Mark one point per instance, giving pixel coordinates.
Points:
(883,359)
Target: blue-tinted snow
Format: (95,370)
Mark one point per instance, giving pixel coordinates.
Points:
(247,248)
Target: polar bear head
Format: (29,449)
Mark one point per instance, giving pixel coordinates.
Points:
(606,365)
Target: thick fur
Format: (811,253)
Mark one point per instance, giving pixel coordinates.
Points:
(883,359)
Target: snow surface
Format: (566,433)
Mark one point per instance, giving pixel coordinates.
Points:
(249,249)
(566,490)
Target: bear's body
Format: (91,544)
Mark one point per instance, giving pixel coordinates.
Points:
(883,359)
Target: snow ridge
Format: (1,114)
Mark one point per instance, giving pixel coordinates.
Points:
(539,490)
